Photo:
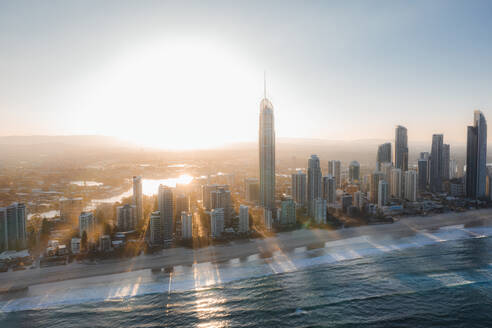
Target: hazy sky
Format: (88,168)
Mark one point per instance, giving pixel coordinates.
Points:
(190,74)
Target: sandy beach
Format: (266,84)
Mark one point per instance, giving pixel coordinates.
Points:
(284,242)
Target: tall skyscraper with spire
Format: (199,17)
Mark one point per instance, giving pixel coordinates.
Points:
(267,153)
(476,153)
(401,148)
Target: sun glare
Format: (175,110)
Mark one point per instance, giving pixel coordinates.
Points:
(150,186)
(176,95)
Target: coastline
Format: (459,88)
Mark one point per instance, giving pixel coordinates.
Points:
(284,242)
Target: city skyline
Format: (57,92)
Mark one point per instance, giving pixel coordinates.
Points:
(115,88)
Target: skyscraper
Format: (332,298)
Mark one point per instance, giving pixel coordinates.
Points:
(386,168)
(155,228)
(243,218)
(476,153)
(166,208)
(410,193)
(320,211)
(354,171)
(87,223)
(334,169)
(288,212)
(221,198)
(396,183)
(186,225)
(267,154)
(252,190)
(401,148)
(314,182)
(375,178)
(299,188)
(126,217)
(329,189)
(181,204)
(382,193)
(216,222)
(13,227)
(445,161)
(384,154)
(436,163)
(138,198)
(423,167)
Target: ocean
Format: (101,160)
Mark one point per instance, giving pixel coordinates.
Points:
(438,278)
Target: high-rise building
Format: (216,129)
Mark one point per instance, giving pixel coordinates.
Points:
(386,168)
(347,200)
(267,154)
(299,188)
(126,217)
(453,169)
(207,194)
(165,203)
(70,209)
(396,185)
(476,153)
(182,204)
(383,192)
(445,162)
(329,189)
(186,225)
(138,198)
(358,199)
(252,190)
(354,171)
(221,198)
(426,156)
(384,154)
(243,218)
(423,167)
(313,182)
(267,219)
(436,163)
(411,186)
(216,222)
(75,244)
(401,148)
(288,212)
(335,169)
(155,228)
(375,178)
(320,209)
(366,183)
(87,223)
(13,227)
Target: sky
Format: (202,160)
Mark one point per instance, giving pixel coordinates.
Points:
(186,74)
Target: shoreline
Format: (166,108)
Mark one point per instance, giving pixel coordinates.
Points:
(284,242)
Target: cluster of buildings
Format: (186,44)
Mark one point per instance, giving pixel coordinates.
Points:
(394,183)
(13,234)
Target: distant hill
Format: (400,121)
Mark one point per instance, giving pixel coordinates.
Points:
(74,140)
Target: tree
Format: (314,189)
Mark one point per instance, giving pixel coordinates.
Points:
(83,242)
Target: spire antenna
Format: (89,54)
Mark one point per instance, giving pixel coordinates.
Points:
(264,83)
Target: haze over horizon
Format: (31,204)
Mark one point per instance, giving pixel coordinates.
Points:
(183,76)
